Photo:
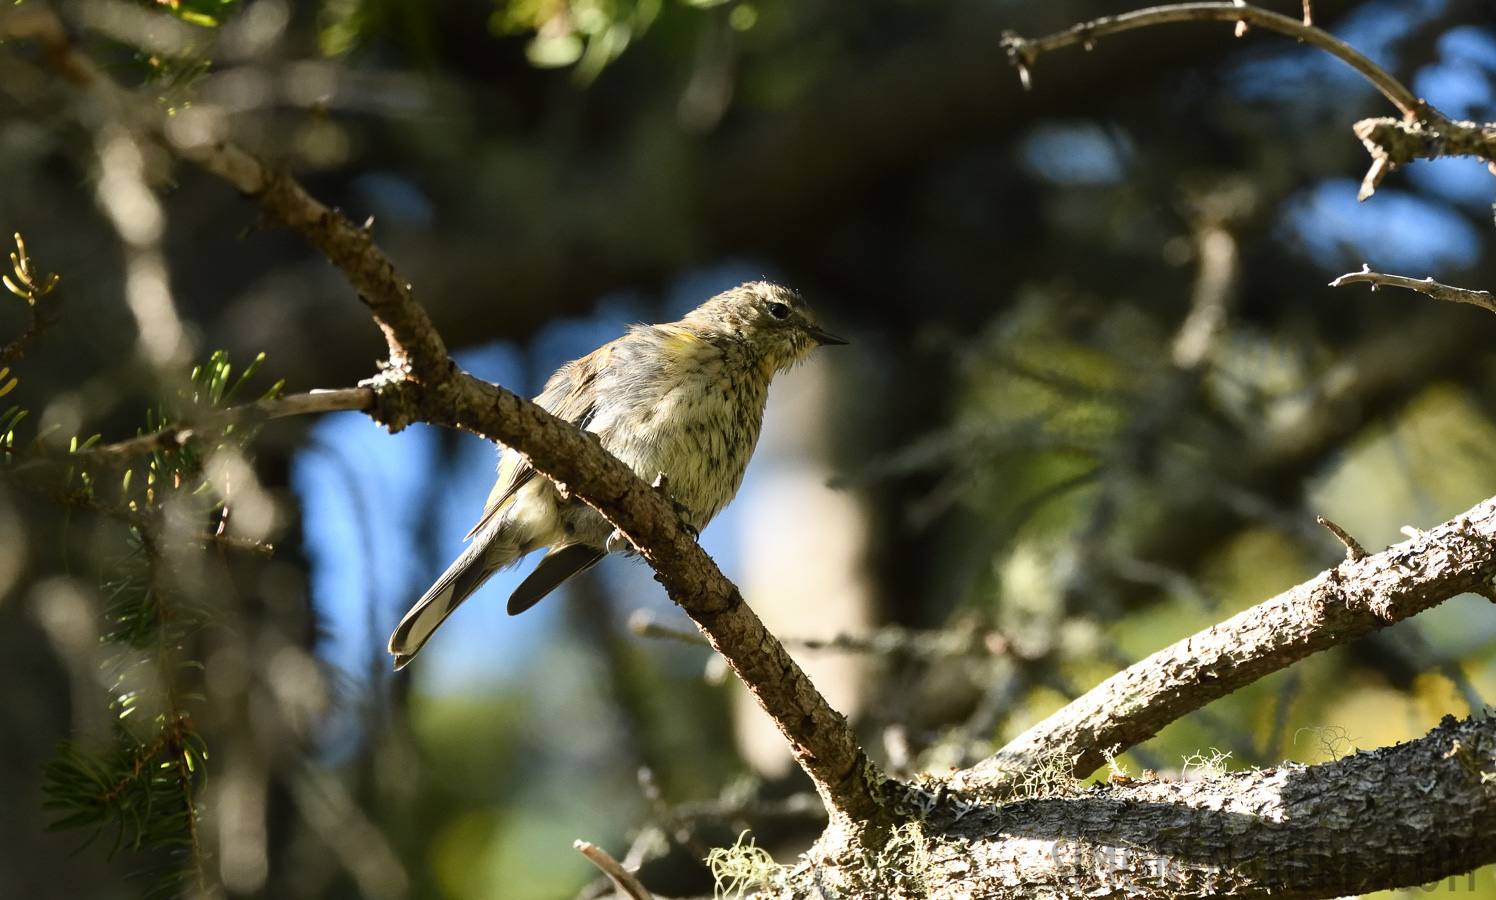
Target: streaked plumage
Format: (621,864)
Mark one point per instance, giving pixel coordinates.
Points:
(684,399)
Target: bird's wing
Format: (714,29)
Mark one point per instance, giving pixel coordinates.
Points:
(568,395)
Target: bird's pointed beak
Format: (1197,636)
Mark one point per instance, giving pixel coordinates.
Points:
(824,338)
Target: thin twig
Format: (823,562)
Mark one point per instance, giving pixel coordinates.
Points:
(1023,52)
(40,322)
(642,624)
(1483,299)
(622,878)
(1353,548)
(30,286)
(173,436)
(886,641)
(259,548)
(795,807)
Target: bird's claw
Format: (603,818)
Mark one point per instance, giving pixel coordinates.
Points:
(618,543)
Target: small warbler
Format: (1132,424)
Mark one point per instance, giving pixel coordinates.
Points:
(684,400)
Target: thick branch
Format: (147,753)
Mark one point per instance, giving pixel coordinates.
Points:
(1024,52)
(1340,605)
(1398,816)
(1428,286)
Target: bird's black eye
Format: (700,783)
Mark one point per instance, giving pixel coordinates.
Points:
(778,310)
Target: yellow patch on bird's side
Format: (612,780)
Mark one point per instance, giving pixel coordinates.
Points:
(676,341)
(510,480)
(507,464)
(685,349)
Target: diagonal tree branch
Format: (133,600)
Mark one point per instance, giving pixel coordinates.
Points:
(624,882)
(819,736)
(1340,605)
(431,389)
(413,340)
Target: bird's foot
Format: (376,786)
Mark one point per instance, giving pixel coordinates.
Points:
(619,543)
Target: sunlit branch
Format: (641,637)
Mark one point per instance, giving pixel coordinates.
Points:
(1483,299)
(1393,142)
(1340,605)
(624,880)
(1353,548)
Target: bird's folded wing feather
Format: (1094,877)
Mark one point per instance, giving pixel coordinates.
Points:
(566,396)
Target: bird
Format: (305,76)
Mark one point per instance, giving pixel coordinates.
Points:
(684,400)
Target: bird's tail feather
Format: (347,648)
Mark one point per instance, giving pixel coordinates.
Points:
(465,575)
(558,565)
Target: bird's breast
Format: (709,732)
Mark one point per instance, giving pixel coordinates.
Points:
(698,427)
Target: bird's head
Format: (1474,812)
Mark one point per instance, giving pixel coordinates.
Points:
(774,322)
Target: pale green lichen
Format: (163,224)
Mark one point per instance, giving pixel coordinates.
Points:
(903,863)
(741,868)
(1113,767)
(1334,741)
(1053,776)
(1208,765)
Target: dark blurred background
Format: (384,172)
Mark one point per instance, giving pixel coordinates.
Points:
(1098,389)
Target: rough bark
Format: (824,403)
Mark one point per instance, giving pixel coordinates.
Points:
(1399,816)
